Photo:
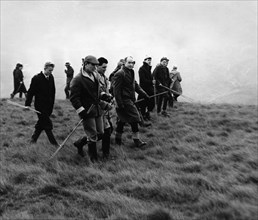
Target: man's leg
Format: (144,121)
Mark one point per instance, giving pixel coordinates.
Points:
(160,99)
(67,91)
(48,126)
(119,132)
(136,136)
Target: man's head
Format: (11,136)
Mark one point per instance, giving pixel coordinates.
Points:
(48,68)
(102,67)
(147,60)
(90,63)
(129,62)
(174,68)
(67,64)
(164,61)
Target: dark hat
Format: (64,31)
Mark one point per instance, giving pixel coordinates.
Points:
(47,64)
(67,64)
(164,58)
(91,59)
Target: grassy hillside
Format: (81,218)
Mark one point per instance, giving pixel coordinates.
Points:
(201,163)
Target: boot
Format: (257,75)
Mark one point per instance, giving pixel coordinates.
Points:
(105,145)
(51,137)
(35,136)
(138,143)
(147,115)
(92,151)
(79,144)
(12,95)
(118,138)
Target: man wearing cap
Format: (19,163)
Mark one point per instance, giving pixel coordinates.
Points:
(43,88)
(69,76)
(146,79)
(85,98)
(125,87)
(161,77)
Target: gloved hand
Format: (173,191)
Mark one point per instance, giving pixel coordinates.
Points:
(106,97)
(108,107)
(83,114)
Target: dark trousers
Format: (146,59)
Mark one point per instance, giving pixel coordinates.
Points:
(20,88)
(162,99)
(120,127)
(44,123)
(106,142)
(67,87)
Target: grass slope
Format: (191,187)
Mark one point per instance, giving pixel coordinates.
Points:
(201,163)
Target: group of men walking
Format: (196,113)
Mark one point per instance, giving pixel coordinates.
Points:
(93,96)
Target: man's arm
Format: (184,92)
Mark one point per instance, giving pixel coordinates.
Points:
(31,92)
(118,86)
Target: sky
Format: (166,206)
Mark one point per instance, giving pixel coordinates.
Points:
(213,43)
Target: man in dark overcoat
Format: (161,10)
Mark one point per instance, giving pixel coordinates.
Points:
(42,87)
(85,98)
(125,87)
(69,76)
(19,86)
(161,77)
(146,83)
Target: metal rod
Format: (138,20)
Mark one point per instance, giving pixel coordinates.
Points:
(69,135)
(22,106)
(152,96)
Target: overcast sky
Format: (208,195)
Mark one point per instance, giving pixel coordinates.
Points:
(213,43)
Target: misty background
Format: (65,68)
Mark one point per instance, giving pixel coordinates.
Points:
(213,43)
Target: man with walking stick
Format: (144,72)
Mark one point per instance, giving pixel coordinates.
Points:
(125,87)
(85,98)
(42,87)
(161,76)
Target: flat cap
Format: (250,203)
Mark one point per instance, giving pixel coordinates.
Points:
(164,58)
(91,59)
(47,64)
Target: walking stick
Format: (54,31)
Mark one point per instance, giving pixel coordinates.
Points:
(152,96)
(26,107)
(61,146)
(178,93)
(69,135)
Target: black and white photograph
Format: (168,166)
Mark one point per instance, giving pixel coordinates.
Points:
(128,110)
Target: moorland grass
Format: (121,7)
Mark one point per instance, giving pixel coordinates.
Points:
(201,163)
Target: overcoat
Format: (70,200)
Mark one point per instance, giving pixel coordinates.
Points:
(125,87)
(176,77)
(85,94)
(161,75)
(44,91)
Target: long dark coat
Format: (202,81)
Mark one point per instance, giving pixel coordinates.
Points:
(85,93)
(44,91)
(18,81)
(161,75)
(125,87)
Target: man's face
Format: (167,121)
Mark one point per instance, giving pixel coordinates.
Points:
(129,63)
(102,69)
(148,61)
(48,70)
(90,67)
(164,62)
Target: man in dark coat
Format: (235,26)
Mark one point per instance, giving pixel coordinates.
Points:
(85,98)
(43,88)
(19,86)
(124,91)
(146,83)
(69,76)
(161,77)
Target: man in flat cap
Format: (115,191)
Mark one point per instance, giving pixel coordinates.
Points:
(125,87)
(69,76)
(85,98)
(42,87)
(161,77)
(146,83)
